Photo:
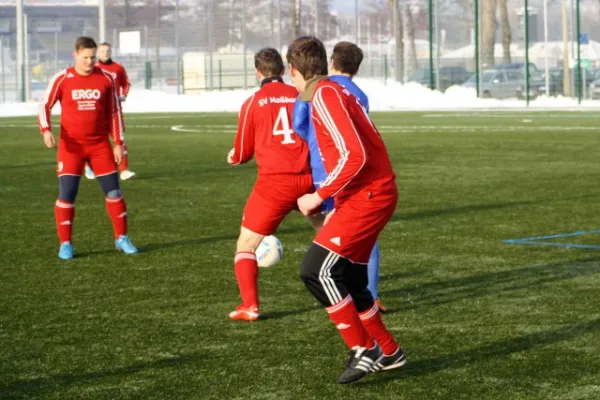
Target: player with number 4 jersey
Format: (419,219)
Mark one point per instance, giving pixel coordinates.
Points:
(265,132)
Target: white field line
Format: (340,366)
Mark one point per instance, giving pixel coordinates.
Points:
(482,128)
(141,117)
(502,115)
(382,128)
(199,128)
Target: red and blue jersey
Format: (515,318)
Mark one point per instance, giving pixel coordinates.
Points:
(304,126)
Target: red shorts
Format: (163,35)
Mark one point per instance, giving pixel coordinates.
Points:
(72,157)
(274,197)
(354,227)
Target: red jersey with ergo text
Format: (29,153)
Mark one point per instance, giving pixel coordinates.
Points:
(265,131)
(90,109)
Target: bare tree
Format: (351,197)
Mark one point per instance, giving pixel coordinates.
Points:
(488,28)
(295,19)
(399,34)
(506,34)
(413,65)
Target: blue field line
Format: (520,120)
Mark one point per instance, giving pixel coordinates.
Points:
(534,240)
(558,235)
(566,245)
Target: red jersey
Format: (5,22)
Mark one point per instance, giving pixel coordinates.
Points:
(90,108)
(264,130)
(118,73)
(353,152)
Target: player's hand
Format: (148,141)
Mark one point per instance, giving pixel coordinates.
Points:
(328,216)
(49,140)
(118,153)
(122,98)
(309,202)
(230,157)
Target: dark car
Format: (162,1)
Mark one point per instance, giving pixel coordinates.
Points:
(449,76)
(556,78)
(533,69)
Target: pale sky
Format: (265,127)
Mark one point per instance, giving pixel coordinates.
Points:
(345,6)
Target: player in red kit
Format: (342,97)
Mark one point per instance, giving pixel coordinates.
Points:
(264,131)
(117,71)
(90,114)
(362,183)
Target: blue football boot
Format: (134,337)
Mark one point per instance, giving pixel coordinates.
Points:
(123,244)
(66,251)
(89,173)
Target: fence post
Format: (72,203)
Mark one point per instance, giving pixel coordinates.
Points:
(476,49)
(431,77)
(3,86)
(148,74)
(244,43)
(220,76)
(385,69)
(578,26)
(527,52)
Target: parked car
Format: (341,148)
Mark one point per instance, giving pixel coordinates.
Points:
(537,86)
(498,84)
(533,69)
(557,80)
(595,89)
(449,76)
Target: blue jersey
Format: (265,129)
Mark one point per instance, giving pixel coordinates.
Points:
(353,88)
(303,126)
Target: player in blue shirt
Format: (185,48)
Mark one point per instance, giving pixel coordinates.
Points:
(345,62)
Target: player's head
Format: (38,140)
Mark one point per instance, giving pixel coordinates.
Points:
(268,63)
(104,52)
(346,59)
(85,54)
(307,58)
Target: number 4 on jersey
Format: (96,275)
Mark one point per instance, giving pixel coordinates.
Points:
(282,127)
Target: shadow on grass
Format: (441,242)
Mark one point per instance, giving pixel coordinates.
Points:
(493,350)
(307,228)
(212,239)
(286,313)
(27,387)
(29,165)
(448,291)
(480,207)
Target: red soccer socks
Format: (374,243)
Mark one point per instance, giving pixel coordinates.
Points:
(246,273)
(117,211)
(64,214)
(346,319)
(371,321)
(125,161)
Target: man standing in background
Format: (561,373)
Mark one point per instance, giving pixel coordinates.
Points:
(117,71)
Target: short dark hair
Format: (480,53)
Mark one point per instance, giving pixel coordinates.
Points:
(104,44)
(308,55)
(347,57)
(268,62)
(84,42)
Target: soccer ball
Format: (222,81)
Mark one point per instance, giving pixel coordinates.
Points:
(269,252)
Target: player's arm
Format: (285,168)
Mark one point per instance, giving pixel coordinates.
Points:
(125,84)
(243,146)
(333,114)
(301,118)
(53,94)
(113,114)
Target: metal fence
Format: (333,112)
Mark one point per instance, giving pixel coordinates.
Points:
(501,48)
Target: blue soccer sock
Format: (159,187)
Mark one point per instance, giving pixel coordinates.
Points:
(373,272)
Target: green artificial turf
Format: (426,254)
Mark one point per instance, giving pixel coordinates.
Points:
(479,318)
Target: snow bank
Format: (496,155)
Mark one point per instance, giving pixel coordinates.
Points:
(391,97)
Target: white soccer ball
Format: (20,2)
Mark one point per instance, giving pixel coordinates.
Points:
(269,252)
